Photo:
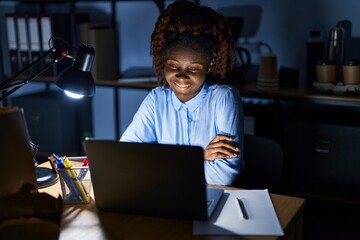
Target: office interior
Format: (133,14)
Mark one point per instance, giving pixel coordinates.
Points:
(330,181)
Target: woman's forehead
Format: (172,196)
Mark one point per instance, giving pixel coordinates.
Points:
(187,54)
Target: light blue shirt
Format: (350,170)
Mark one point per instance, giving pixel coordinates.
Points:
(216,109)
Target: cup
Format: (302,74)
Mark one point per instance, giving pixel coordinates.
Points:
(268,74)
(351,73)
(268,67)
(326,72)
(75,184)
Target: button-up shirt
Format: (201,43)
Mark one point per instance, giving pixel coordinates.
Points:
(216,109)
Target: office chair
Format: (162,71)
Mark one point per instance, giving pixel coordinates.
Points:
(263,164)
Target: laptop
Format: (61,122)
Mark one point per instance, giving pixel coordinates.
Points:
(150,179)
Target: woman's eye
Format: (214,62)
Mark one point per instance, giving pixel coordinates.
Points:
(173,67)
(193,70)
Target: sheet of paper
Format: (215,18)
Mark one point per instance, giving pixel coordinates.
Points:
(227,218)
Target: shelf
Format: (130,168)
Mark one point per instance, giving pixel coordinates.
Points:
(159,3)
(304,94)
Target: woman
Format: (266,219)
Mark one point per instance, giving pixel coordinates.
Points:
(193,54)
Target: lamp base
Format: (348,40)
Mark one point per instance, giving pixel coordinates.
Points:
(45,177)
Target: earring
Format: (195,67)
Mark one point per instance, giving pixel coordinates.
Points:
(210,65)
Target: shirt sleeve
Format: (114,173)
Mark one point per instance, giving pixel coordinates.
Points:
(142,129)
(229,121)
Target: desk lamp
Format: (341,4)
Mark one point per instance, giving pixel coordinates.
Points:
(76,81)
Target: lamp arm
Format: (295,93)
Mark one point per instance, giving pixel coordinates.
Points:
(10,82)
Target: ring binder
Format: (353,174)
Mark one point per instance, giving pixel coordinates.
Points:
(23,41)
(12,42)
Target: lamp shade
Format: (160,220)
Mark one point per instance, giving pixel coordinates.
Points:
(78,78)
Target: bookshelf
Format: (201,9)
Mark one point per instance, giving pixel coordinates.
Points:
(67,6)
(70,6)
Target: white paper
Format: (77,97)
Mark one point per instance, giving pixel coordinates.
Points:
(227,218)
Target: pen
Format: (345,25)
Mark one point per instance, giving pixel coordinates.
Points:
(76,158)
(74,192)
(86,161)
(59,161)
(83,171)
(242,208)
(72,174)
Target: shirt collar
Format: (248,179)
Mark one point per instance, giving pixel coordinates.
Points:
(193,103)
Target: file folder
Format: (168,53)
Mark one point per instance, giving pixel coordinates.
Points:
(12,42)
(34,40)
(34,35)
(45,35)
(23,41)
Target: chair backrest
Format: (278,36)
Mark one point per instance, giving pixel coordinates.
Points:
(263,164)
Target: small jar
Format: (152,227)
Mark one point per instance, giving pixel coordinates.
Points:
(351,72)
(326,72)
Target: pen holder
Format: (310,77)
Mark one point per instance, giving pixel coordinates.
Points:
(75,184)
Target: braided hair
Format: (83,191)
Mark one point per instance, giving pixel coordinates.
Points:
(185,24)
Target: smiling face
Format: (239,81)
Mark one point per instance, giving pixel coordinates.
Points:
(185,71)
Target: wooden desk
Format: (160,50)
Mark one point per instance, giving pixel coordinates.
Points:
(85,222)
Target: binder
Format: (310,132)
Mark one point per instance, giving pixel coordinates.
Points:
(34,37)
(46,32)
(12,42)
(45,35)
(23,41)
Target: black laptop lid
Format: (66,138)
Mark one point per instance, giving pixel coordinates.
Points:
(148,179)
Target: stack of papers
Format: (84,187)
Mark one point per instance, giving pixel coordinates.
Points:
(228,218)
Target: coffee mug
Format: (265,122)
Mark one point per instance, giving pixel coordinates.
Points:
(351,73)
(268,67)
(326,72)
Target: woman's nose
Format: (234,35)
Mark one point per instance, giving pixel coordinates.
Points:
(182,75)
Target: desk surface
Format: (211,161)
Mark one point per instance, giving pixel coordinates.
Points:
(85,222)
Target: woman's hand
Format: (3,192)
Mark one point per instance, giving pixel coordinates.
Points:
(220,147)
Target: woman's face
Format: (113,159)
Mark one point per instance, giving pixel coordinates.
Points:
(185,71)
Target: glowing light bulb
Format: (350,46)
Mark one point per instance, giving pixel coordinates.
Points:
(74,95)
